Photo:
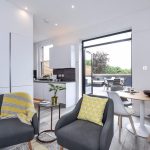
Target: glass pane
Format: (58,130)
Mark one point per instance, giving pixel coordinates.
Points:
(114,55)
(88,72)
(116,37)
(46,71)
(46,52)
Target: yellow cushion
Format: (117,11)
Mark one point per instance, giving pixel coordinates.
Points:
(92,109)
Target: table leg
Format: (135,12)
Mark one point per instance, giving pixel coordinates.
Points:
(51,118)
(46,131)
(141,128)
(59,111)
(39,118)
(142,112)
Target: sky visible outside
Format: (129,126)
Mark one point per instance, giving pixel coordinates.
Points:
(119,54)
(46,54)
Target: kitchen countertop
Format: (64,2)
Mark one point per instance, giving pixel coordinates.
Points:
(48,81)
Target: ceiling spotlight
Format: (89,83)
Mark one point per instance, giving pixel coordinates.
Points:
(56,24)
(45,20)
(72,6)
(26,8)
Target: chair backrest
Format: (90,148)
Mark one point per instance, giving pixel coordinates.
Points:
(116,88)
(1,100)
(119,108)
(117,81)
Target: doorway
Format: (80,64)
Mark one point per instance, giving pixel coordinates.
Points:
(106,58)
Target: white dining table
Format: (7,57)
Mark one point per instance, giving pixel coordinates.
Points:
(142,128)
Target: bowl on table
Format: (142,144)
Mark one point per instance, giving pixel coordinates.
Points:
(147,92)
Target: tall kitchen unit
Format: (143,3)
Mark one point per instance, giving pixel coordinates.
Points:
(4,63)
(16,63)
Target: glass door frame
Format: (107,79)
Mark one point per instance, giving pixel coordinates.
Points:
(91,75)
(83,52)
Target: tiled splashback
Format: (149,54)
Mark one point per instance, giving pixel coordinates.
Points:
(65,74)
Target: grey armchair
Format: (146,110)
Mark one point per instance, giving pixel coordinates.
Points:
(75,134)
(13,131)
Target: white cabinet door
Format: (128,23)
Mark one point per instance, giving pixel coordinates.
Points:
(38,90)
(70,94)
(27,89)
(4,90)
(62,97)
(62,57)
(47,95)
(21,60)
(41,90)
(4,60)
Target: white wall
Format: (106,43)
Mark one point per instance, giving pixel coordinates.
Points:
(19,23)
(15,20)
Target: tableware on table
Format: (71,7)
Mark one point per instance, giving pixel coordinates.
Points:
(146,92)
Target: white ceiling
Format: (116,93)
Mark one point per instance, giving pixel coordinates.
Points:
(85,13)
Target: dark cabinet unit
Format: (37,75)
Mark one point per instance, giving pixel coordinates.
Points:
(66,74)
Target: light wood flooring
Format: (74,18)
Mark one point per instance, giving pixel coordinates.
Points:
(128,140)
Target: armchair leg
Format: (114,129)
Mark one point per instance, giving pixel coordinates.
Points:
(61,148)
(121,121)
(30,146)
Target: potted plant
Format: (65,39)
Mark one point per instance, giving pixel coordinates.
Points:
(55,88)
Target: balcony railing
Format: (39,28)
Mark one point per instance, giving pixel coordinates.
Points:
(98,79)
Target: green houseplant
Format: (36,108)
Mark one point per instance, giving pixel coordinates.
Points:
(55,88)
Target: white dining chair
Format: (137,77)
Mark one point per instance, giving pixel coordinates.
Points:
(120,111)
(124,100)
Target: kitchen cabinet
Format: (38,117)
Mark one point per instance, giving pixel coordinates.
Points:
(4,61)
(4,90)
(27,89)
(21,60)
(67,96)
(16,63)
(62,57)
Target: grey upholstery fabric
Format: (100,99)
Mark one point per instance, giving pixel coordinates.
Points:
(69,118)
(75,134)
(80,135)
(1,100)
(35,124)
(13,131)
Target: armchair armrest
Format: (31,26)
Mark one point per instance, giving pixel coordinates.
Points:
(69,117)
(35,124)
(108,128)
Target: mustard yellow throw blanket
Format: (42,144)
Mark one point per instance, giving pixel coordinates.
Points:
(18,105)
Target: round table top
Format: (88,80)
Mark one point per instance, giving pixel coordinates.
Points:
(136,96)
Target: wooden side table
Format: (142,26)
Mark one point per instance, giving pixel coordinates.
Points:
(47,106)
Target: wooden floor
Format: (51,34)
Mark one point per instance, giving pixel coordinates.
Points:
(128,140)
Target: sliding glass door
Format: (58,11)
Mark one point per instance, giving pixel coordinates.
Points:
(88,72)
(104,59)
